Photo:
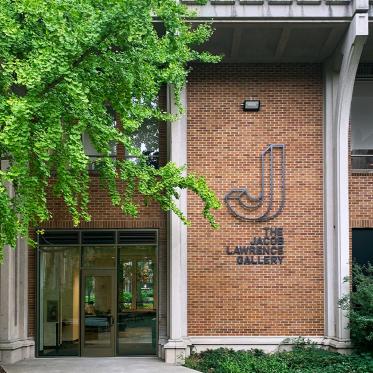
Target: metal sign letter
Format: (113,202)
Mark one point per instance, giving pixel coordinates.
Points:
(236,197)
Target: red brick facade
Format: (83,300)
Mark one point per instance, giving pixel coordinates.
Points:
(361,201)
(224,144)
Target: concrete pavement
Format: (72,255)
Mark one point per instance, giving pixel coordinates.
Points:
(95,365)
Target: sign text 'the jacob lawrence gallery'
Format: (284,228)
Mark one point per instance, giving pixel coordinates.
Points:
(265,250)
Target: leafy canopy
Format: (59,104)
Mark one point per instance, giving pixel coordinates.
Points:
(63,64)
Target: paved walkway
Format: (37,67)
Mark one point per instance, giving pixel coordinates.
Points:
(95,365)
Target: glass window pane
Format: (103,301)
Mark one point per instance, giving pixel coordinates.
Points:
(362,251)
(146,138)
(125,298)
(97,311)
(98,237)
(137,317)
(362,159)
(145,284)
(362,125)
(99,257)
(59,301)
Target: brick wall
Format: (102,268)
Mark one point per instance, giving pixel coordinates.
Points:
(105,216)
(361,201)
(224,143)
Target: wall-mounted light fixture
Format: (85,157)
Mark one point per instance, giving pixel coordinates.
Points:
(251,105)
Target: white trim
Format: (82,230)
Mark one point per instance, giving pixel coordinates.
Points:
(10,346)
(265,343)
(175,348)
(351,49)
(340,74)
(329,94)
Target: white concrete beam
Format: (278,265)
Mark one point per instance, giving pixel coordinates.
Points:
(339,87)
(175,348)
(14,342)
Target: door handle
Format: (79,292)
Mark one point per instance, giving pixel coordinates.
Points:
(112,320)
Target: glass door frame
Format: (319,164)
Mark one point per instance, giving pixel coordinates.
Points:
(135,258)
(82,269)
(111,349)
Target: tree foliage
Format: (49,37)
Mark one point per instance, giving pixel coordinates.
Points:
(63,64)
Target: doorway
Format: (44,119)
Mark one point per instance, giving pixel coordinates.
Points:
(137,300)
(97,293)
(98,313)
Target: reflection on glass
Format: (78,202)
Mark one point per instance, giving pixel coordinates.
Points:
(362,159)
(125,296)
(59,301)
(146,139)
(145,289)
(99,257)
(137,306)
(97,311)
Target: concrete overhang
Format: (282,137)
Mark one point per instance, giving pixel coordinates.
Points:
(367,55)
(279,9)
(279,42)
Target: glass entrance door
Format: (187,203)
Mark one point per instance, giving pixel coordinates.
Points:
(137,301)
(98,313)
(97,293)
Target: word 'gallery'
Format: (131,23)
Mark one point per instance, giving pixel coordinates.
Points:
(288,150)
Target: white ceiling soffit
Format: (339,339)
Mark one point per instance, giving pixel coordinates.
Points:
(367,55)
(275,42)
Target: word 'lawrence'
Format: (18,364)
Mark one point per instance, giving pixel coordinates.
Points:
(261,250)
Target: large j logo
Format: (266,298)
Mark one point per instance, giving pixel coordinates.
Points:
(271,199)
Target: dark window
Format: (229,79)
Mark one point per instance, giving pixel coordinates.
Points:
(362,245)
(98,237)
(59,238)
(146,138)
(93,155)
(91,151)
(137,237)
(362,125)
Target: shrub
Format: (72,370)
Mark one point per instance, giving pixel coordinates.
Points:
(126,297)
(359,305)
(302,359)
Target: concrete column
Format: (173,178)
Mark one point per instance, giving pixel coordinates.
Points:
(340,72)
(176,346)
(14,342)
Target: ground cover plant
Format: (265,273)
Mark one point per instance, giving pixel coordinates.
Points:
(302,359)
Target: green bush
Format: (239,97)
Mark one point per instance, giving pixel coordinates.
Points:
(359,305)
(126,297)
(302,359)
(147,293)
